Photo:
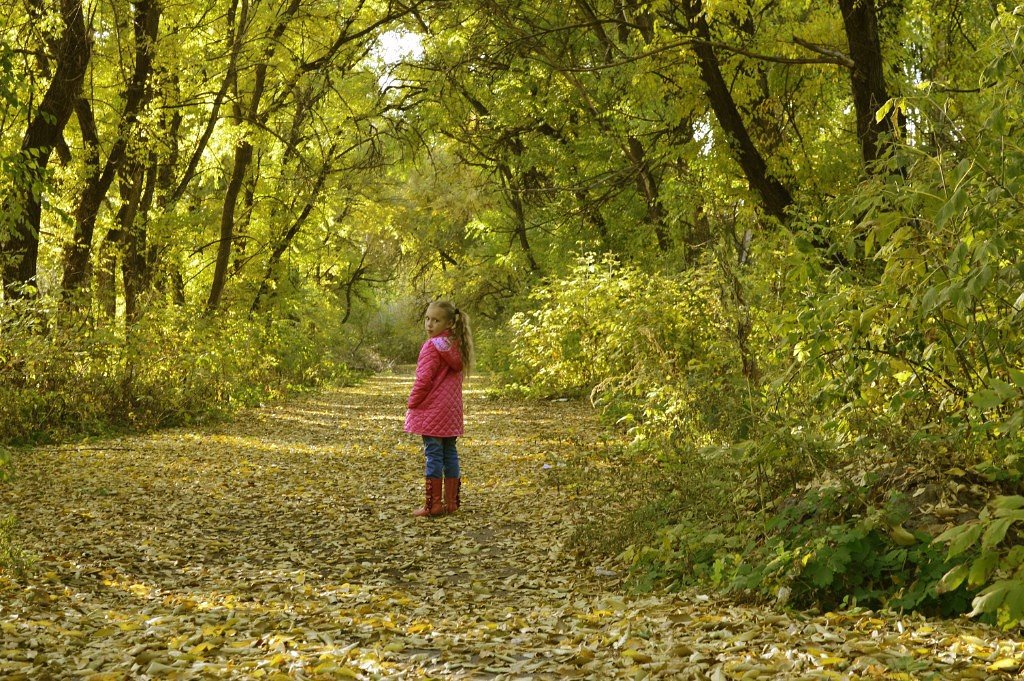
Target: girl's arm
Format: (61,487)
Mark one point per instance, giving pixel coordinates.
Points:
(426,367)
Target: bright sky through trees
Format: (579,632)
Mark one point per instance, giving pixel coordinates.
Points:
(392,48)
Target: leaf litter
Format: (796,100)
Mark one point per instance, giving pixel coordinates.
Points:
(281,546)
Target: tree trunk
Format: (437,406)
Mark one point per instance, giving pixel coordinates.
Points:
(867,77)
(775,198)
(106,274)
(515,199)
(234,41)
(146,23)
(76,254)
(161,270)
(243,158)
(647,185)
(19,254)
(135,266)
(647,180)
(286,241)
(242,226)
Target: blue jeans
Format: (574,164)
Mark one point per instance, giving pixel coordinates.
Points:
(442,457)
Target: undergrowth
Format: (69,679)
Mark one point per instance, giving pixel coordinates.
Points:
(62,377)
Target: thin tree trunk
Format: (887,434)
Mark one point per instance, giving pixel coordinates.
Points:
(160,269)
(515,199)
(242,228)
(106,274)
(76,254)
(19,254)
(647,181)
(234,42)
(134,265)
(350,285)
(146,24)
(243,158)
(286,241)
(647,185)
(775,197)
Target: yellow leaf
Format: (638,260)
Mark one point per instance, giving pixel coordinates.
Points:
(636,656)
(901,536)
(583,656)
(140,590)
(1005,664)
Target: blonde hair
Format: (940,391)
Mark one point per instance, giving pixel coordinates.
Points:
(460,329)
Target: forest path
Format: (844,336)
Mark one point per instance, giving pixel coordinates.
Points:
(281,546)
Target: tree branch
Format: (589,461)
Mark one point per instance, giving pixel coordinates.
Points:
(833,56)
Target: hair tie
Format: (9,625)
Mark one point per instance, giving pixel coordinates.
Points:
(457,311)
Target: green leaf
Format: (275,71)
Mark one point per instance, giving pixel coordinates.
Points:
(997,121)
(1008,503)
(884,110)
(1014,606)
(1004,591)
(952,207)
(1014,557)
(1017,376)
(952,580)
(982,568)
(986,399)
(995,533)
(961,537)
(989,600)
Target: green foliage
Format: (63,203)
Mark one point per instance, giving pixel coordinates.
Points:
(817,551)
(57,380)
(746,360)
(993,558)
(636,342)
(889,348)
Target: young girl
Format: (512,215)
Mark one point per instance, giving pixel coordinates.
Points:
(435,404)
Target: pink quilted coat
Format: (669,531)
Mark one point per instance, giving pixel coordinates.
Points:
(435,403)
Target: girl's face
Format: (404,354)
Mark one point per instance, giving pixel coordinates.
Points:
(435,321)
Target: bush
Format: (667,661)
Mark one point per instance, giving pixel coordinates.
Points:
(644,347)
(890,340)
(58,378)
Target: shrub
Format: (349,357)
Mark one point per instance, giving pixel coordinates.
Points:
(642,346)
(59,377)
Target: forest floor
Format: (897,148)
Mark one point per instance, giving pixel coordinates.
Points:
(281,545)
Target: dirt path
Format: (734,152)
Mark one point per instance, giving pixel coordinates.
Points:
(281,546)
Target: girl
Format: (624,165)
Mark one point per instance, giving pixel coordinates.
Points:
(435,404)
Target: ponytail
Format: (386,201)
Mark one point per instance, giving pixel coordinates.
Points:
(461,330)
